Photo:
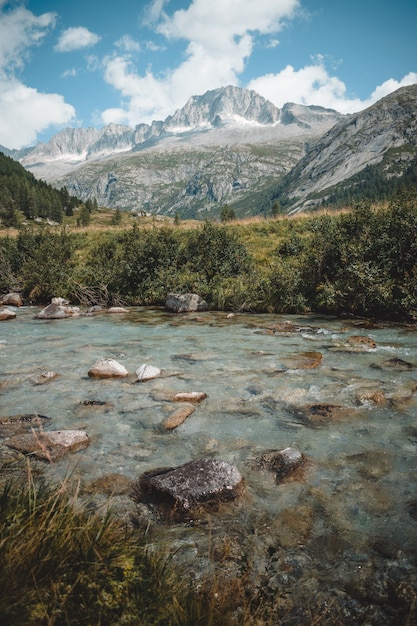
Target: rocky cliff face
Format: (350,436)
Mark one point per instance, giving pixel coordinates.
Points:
(229,145)
(381,134)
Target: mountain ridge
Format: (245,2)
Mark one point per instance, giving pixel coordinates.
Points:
(230,146)
(377,136)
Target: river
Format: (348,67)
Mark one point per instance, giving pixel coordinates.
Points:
(348,525)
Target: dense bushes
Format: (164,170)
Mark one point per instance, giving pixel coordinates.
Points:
(363,262)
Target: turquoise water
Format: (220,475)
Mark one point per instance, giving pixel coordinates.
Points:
(353,503)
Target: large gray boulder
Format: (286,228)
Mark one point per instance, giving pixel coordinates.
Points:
(185,303)
(182,489)
(56,311)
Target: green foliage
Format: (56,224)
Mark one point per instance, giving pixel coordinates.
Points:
(227,214)
(46,264)
(358,263)
(216,252)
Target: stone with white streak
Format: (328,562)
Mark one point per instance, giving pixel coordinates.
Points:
(147,372)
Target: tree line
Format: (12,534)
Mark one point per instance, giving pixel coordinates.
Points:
(21,194)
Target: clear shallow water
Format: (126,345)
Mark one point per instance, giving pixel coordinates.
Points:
(352,508)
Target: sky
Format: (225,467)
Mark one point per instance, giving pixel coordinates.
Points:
(88,63)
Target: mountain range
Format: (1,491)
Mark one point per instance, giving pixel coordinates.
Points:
(228,146)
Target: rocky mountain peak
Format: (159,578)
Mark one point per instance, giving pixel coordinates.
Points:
(224,104)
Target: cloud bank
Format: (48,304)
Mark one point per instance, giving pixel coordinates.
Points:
(24,111)
(217,38)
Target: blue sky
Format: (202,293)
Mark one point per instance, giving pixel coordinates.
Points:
(89,63)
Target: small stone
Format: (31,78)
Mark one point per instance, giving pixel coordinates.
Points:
(107,368)
(147,372)
(283,463)
(190,396)
(46,377)
(117,309)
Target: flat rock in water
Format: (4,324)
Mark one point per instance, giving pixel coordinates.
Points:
(396,364)
(14,424)
(361,342)
(107,368)
(179,416)
(303,361)
(49,446)
(147,372)
(6,314)
(204,481)
(323,413)
(110,484)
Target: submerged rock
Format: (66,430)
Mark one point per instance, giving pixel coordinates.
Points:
(395,364)
(323,413)
(110,484)
(182,489)
(50,446)
(14,424)
(361,342)
(178,396)
(185,303)
(303,361)
(178,417)
(285,464)
(107,368)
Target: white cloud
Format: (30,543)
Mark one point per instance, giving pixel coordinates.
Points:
(19,31)
(24,112)
(76,38)
(128,44)
(70,73)
(220,36)
(313,85)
